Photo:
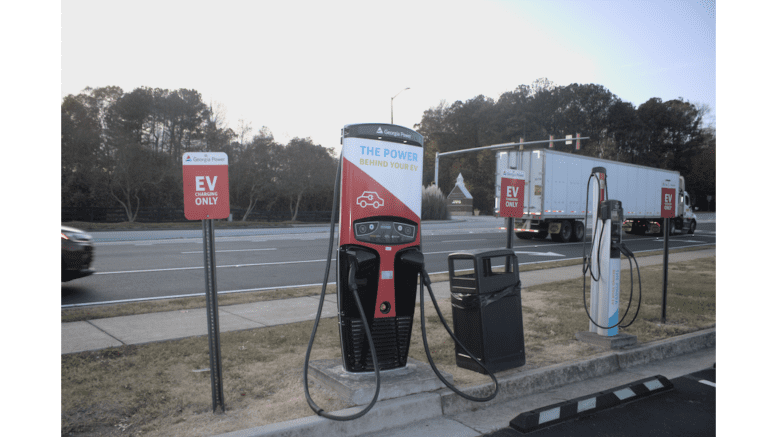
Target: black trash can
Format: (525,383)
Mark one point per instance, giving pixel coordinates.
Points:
(487,314)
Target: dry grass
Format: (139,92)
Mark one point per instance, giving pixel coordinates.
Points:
(156,389)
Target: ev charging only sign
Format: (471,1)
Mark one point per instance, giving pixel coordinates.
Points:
(511,193)
(668,200)
(205,185)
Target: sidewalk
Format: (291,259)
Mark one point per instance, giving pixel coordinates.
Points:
(146,328)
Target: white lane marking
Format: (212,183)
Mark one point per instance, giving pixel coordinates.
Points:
(220,267)
(704,381)
(463,241)
(141,299)
(231,250)
(538,253)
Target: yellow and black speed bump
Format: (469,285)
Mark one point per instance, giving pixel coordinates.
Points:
(587,405)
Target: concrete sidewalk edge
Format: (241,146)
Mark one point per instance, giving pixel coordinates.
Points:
(444,402)
(547,378)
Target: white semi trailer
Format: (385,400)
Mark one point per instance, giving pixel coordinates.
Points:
(555,194)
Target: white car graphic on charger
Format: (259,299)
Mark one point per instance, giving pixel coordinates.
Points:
(369,198)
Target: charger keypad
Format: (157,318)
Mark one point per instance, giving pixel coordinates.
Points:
(384,232)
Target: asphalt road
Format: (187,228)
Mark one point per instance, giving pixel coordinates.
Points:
(140,265)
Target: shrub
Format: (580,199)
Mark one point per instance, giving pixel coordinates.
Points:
(433,204)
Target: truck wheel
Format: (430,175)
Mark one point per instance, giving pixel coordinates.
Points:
(565,234)
(579,231)
(692,228)
(671,228)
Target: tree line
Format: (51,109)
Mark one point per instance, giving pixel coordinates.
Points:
(125,149)
(662,134)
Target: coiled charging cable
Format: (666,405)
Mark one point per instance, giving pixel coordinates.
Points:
(354,289)
(587,265)
(428,283)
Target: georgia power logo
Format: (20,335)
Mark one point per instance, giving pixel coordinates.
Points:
(369,198)
(188,158)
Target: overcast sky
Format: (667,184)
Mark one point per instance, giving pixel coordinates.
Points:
(306,68)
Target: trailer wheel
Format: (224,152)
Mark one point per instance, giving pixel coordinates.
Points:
(541,235)
(671,228)
(565,234)
(524,235)
(579,231)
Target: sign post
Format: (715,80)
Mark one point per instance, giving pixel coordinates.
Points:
(668,202)
(511,199)
(206,197)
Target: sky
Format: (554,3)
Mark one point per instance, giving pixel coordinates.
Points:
(307,68)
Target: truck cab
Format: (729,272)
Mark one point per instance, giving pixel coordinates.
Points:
(684,220)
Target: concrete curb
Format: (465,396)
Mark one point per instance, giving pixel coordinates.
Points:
(445,403)
(547,378)
(411,408)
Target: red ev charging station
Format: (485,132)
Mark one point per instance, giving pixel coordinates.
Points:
(380,219)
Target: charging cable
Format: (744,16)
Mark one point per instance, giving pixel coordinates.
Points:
(588,255)
(425,281)
(352,285)
(354,289)
(587,263)
(629,256)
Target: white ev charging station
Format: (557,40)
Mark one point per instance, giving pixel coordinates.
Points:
(604,261)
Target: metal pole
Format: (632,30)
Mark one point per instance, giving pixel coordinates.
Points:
(436,169)
(478,149)
(510,233)
(666,269)
(211,303)
(502,146)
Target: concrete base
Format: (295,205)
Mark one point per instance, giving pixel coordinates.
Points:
(359,388)
(617,341)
